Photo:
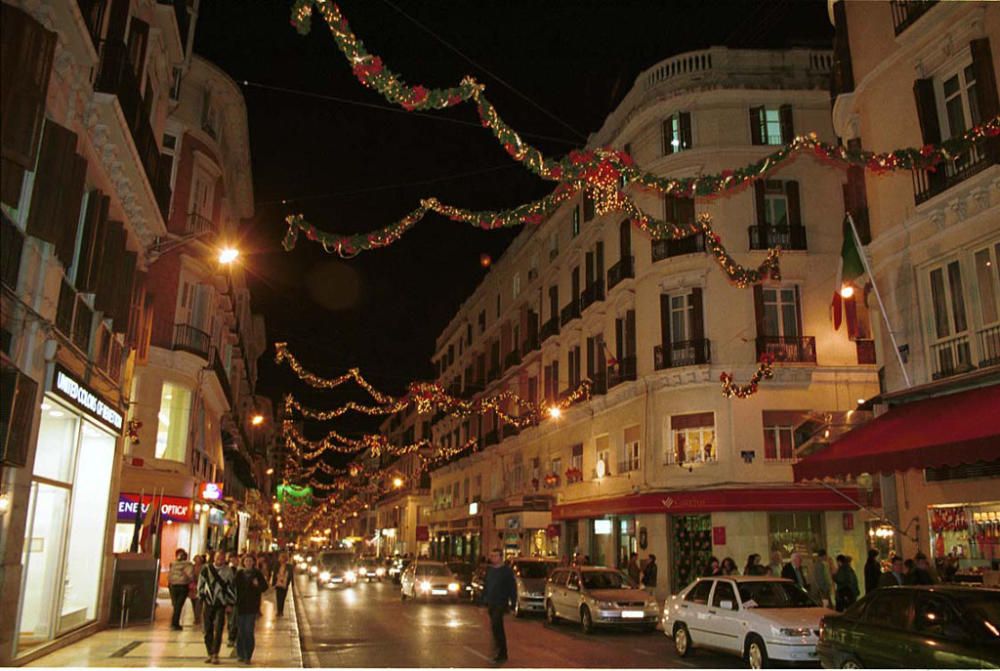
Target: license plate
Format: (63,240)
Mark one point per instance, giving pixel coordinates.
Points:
(439,592)
(336,580)
(633,613)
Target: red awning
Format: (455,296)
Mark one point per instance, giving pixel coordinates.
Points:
(962,428)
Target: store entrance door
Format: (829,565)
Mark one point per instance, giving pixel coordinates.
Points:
(690,548)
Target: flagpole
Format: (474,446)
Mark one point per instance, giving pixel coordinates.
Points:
(878,296)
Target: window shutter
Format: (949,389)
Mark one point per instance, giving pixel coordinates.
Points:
(26,49)
(666,132)
(756,136)
(697,314)
(665,319)
(986,82)
(590,358)
(787,126)
(794,207)
(619,339)
(117,20)
(11,179)
(630,333)
(930,128)
(111,251)
(18,394)
(758,308)
(758,196)
(138,38)
(685,210)
(588,269)
(798,309)
(625,238)
(136,307)
(94,230)
(54,162)
(126,287)
(69,211)
(685,127)
(599,260)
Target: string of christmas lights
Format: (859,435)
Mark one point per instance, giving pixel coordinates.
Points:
(292,404)
(283,355)
(765,371)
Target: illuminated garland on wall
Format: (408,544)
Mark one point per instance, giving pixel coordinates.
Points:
(765,371)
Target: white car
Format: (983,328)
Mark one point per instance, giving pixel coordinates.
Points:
(757,618)
(427,580)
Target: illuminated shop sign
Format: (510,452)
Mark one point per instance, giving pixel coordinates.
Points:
(172,508)
(84,398)
(210,491)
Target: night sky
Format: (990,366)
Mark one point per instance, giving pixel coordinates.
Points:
(355,167)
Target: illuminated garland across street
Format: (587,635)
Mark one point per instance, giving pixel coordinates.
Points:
(765,371)
(282,354)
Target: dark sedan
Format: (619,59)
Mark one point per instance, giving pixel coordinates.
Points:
(463,572)
(926,627)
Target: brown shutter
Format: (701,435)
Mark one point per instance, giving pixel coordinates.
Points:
(666,132)
(630,333)
(798,309)
(126,286)
(93,241)
(69,210)
(26,49)
(794,206)
(665,320)
(787,126)
(986,82)
(758,199)
(117,20)
(55,162)
(758,309)
(11,179)
(111,252)
(136,305)
(590,358)
(685,126)
(756,137)
(930,128)
(18,394)
(684,207)
(619,339)
(138,38)
(697,315)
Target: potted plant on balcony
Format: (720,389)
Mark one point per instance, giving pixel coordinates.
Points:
(551,480)
(574,475)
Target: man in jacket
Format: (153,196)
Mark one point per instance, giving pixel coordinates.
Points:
(499,593)
(649,574)
(873,571)
(895,576)
(793,571)
(217,591)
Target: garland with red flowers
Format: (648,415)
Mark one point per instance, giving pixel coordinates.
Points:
(765,371)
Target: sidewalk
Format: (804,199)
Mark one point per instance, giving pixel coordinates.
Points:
(155,644)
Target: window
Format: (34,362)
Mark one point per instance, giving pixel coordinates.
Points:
(498,306)
(724,592)
(692,438)
(574,367)
(779,427)
(173,419)
(588,206)
(517,284)
(676,133)
(575,224)
(948,300)
(781,312)
(681,317)
(631,455)
(576,458)
(935,617)
(889,609)
(771,125)
(699,593)
(602,452)
(209,115)
(556,466)
(775,204)
(959,102)
(987,262)
(553,246)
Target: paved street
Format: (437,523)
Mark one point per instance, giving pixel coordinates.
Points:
(369,626)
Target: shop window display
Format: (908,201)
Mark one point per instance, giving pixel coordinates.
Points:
(969,535)
(691,548)
(795,532)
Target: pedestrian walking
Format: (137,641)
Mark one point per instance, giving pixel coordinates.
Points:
(895,576)
(179,581)
(775,568)
(649,574)
(793,571)
(217,590)
(728,567)
(499,593)
(847,583)
(712,568)
(873,571)
(282,581)
(754,566)
(199,564)
(231,621)
(634,572)
(250,584)
(822,578)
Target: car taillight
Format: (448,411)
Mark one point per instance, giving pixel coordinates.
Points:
(822,627)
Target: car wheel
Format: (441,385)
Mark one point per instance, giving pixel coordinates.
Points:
(402,595)
(586,620)
(756,653)
(550,613)
(851,663)
(682,641)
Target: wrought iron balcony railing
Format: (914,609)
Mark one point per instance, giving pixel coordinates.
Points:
(622,270)
(681,353)
(788,349)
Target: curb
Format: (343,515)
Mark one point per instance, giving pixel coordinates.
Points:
(303,630)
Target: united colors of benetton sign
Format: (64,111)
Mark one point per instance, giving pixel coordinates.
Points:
(84,398)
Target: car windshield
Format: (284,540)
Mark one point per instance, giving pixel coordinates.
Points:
(606,580)
(461,569)
(335,560)
(432,569)
(773,594)
(533,569)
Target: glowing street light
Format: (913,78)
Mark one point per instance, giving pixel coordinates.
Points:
(555,412)
(269,471)
(228,255)
(257,420)
(847,291)
(397,482)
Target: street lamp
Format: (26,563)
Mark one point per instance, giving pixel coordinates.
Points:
(555,412)
(257,419)
(228,255)
(397,482)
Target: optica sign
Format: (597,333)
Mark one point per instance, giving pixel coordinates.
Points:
(172,508)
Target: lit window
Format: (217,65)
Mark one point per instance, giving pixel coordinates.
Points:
(173,419)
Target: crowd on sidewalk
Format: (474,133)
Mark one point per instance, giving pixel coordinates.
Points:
(225,592)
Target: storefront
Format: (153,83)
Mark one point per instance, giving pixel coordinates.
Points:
(526,534)
(66,532)
(970,532)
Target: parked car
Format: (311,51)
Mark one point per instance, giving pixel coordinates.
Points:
(335,568)
(531,574)
(463,573)
(759,618)
(930,627)
(478,583)
(369,568)
(428,580)
(597,596)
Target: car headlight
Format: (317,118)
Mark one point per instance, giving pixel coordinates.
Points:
(425,586)
(303,566)
(650,605)
(453,587)
(324,575)
(350,576)
(796,632)
(380,571)
(314,570)
(606,604)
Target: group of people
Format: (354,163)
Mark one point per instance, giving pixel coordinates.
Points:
(916,571)
(226,595)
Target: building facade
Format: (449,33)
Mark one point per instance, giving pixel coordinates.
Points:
(658,461)
(401,515)
(914,74)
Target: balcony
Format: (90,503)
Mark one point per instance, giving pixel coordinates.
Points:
(951,357)
(622,270)
(569,313)
(787,349)
(592,294)
(508,431)
(223,377)
(199,225)
(669,247)
(624,371)
(789,237)
(989,346)
(529,346)
(905,12)
(681,353)
(927,184)
(549,329)
(512,359)
(189,339)
(599,384)
(491,438)
(866,351)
